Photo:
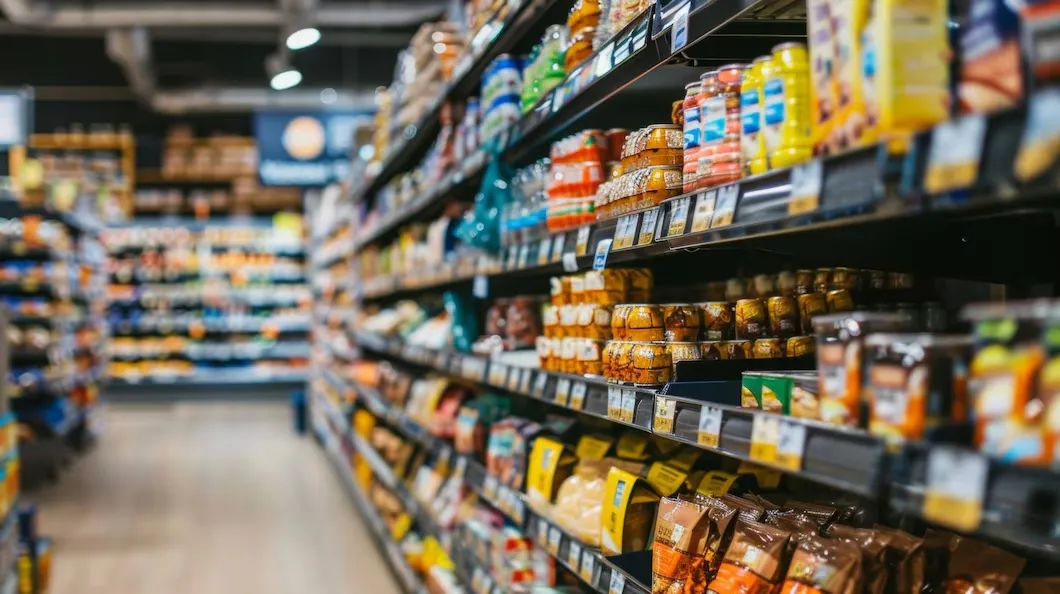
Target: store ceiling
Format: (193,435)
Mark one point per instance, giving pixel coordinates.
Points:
(202,47)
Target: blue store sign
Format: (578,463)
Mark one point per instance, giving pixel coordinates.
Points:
(305,149)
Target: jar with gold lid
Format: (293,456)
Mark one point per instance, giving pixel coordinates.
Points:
(651,364)
(681,322)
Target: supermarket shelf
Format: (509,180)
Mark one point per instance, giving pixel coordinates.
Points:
(121,329)
(76,222)
(229,377)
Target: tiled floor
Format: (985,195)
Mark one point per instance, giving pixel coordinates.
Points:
(206,499)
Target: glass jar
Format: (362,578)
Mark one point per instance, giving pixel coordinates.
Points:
(719,162)
(651,364)
(644,322)
(692,135)
(681,322)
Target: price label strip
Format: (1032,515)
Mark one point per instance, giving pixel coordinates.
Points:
(557,246)
(554,538)
(588,565)
(679,217)
(577,395)
(704,211)
(956,149)
(765,432)
(649,221)
(570,262)
(629,405)
(562,391)
(725,207)
(663,421)
(791,445)
(539,384)
(524,381)
(542,533)
(524,256)
(581,246)
(617,584)
(614,402)
(574,555)
(603,248)
(806,181)
(956,487)
(543,252)
(1041,133)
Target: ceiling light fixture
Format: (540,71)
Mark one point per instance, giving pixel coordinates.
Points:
(286,79)
(303,38)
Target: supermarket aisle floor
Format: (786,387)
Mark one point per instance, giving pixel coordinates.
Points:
(207,499)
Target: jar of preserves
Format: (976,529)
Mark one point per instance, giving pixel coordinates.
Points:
(651,364)
(641,283)
(568,320)
(752,322)
(839,300)
(845,278)
(644,322)
(768,348)
(618,321)
(716,319)
(568,349)
(621,364)
(725,349)
(682,351)
(810,306)
(719,161)
(543,346)
(798,346)
(783,316)
(681,322)
(550,320)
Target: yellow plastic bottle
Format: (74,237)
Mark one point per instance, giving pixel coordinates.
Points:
(787,107)
(752,142)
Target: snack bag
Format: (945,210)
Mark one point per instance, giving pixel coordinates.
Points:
(678,546)
(822,566)
(755,561)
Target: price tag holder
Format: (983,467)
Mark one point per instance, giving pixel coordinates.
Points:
(709,433)
(704,211)
(514,375)
(629,405)
(542,533)
(663,421)
(603,60)
(511,258)
(679,217)
(498,374)
(791,445)
(1041,131)
(725,206)
(518,509)
(765,432)
(524,256)
(617,584)
(557,246)
(574,555)
(562,391)
(577,395)
(648,222)
(581,245)
(679,30)
(956,487)
(806,181)
(954,155)
(614,402)
(539,384)
(603,248)
(625,230)
(554,538)
(524,381)
(489,487)
(570,262)
(543,252)
(588,565)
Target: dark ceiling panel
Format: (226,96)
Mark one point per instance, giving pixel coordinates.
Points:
(57,62)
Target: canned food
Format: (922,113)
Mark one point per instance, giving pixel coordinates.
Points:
(783,316)
(683,351)
(681,322)
(810,305)
(645,323)
(717,320)
(752,322)
(798,346)
(822,280)
(804,282)
(618,321)
(845,278)
(725,349)
(839,300)
(768,348)
(651,364)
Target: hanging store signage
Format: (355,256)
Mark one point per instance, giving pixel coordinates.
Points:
(305,149)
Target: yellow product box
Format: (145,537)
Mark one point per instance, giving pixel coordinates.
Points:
(550,464)
(628,514)
(633,445)
(593,447)
(853,125)
(906,70)
(823,92)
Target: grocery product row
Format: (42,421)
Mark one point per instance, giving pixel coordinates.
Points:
(179,372)
(599,502)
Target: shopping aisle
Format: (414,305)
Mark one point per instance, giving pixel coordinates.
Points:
(210,499)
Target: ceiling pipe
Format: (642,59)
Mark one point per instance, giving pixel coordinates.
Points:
(261,36)
(374,13)
(243,100)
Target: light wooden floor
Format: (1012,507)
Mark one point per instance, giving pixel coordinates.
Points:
(207,499)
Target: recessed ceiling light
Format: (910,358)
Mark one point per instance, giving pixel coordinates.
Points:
(303,38)
(286,79)
(328,96)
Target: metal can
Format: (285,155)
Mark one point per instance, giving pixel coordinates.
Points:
(681,322)
(845,278)
(717,320)
(683,351)
(810,305)
(803,282)
(798,346)
(787,107)
(645,323)
(839,300)
(752,143)
(651,364)
(752,322)
(768,348)
(783,316)
(822,281)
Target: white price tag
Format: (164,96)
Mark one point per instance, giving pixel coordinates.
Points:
(679,217)
(588,565)
(709,433)
(791,445)
(539,384)
(574,555)
(602,249)
(649,220)
(806,181)
(489,487)
(562,391)
(679,32)
(956,487)
(725,206)
(663,421)
(554,537)
(577,395)
(704,211)
(518,509)
(1041,132)
(953,159)
(629,405)
(524,256)
(617,584)
(582,241)
(570,262)
(624,230)
(542,533)
(765,432)
(557,246)
(603,60)
(543,251)
(614,402)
